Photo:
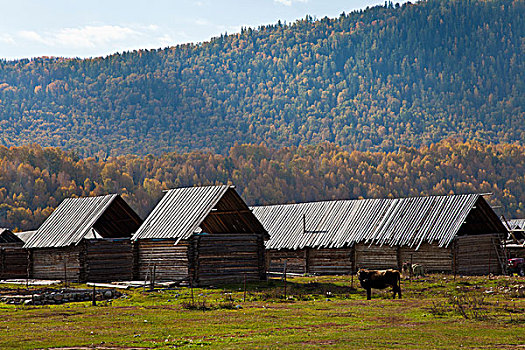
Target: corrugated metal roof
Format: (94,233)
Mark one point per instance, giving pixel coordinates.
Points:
(335,224)
(180,212)
(70,222)
(517,224)
(25,235)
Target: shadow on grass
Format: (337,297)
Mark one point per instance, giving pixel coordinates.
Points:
(279,290)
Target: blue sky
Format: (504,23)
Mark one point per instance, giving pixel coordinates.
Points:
(80,28)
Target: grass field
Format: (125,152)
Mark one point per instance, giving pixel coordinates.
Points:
(436,312)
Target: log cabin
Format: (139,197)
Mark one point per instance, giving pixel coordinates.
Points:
(203,236)
(450,234)
(13,257)
(515,244)
(85,239)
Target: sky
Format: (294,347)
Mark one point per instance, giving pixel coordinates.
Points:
(92,28)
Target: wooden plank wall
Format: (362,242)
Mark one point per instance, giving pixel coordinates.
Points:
(295,260)
(431,256)
(108,260)
(227,258)
(49,263)
(330,261)
(477,255)
(170,260)
(13,260)
(376,257)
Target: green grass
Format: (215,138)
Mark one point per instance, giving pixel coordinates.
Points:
(436,312)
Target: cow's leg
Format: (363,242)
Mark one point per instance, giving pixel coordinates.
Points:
(398,285)
(368,293)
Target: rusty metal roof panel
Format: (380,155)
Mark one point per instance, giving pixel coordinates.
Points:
(180,212)
(70,222)
(334,224)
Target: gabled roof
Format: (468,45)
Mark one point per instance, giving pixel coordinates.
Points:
(25,235)
(75,218)
(185,211)
(401,221)
(7,236)
(517,224)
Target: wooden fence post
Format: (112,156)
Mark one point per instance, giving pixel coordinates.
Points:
(244,298)
(65,271)
(94,296)
(285,280)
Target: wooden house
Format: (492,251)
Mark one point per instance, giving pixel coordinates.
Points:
(451,234)
(202,235)
(85,239)
(13,257)
(515,244)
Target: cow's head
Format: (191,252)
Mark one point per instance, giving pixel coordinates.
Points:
(363,276)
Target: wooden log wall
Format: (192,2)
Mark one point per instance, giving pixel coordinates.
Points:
(296,260)
(474,255)
(227,258)
(108,260)
(170,260)
(54,263)
(431,256)
(376,257)
(13,260)
(477,254)
(330,261)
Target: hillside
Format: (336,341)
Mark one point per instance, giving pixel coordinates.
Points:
(34,180)
(370,80)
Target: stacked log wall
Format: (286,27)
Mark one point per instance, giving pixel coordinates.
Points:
(296,260)
(478,254)
(170,261)
(227,258)
(13,261)
(330,261)
(108,260)
(58,263)
(431,256)
(376,257)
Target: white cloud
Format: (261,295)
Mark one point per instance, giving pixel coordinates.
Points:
(289,2)
(6,39)
(165,40)
(202,22)
(31,36)
(92,36)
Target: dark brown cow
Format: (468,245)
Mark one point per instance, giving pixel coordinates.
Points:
(379,279)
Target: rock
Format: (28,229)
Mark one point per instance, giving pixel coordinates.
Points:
(28,302)
(108,294)
(58,297)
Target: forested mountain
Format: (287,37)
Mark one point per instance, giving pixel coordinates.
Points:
(34,180)
(369,80)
